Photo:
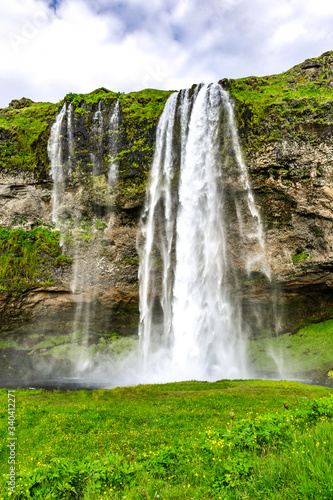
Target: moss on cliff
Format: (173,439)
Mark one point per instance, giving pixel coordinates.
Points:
(289,105)
(24,132)
(27,257)
(139,113)
(135,139)
(25,129)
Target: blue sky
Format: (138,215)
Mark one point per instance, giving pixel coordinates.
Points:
(52,47)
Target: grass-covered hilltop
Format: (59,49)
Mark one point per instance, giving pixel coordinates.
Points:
(285,126)
(289,106)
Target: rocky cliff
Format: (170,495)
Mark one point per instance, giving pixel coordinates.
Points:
(286,126)
(286,130)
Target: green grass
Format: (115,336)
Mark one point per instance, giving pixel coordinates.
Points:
(143,105)
(293,105)
(301,471)
(173,441)
(308,350)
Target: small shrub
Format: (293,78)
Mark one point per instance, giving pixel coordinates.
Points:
(299,256)
(62,260)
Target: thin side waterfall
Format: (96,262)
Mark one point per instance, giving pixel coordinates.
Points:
(70,136)
(96,154)
(69,213)
(257,260)
(86,270)
(54,149)
(113,145)
(191,324)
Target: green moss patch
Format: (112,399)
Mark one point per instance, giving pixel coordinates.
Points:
(24,134)
(299,256)
(26,258)
(293,105)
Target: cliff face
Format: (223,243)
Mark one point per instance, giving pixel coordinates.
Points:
(96,223)
(286,130)
(286,125)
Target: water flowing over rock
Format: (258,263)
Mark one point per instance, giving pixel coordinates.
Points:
(191,323)
(101,147)
(96,153)
(57,170)
(113,145)
(68,211)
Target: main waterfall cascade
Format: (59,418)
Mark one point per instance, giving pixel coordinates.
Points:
(200,242)
(201,237)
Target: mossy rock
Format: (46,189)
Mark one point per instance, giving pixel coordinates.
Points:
(295,105)
(27,258)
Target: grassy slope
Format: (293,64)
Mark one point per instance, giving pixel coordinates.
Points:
(173,440)
(307,353)
(24,133)
(284,106)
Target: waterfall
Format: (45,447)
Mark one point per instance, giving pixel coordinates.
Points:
(257,258)
(70,136)
(96,154)
(113,144)
(69,207)
(160,190)
(191,324)
(54,149)
(201,239)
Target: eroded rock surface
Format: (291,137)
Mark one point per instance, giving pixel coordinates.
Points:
(288,148)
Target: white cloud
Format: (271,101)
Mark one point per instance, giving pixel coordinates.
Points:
(288,33)
(166,44)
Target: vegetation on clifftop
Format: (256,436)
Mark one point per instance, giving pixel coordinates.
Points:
(25,129)
(290,105)
(139,113)
(24,132)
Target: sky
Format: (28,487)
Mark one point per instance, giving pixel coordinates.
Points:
(52,47)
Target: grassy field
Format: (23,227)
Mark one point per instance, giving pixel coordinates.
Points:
(190,440)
